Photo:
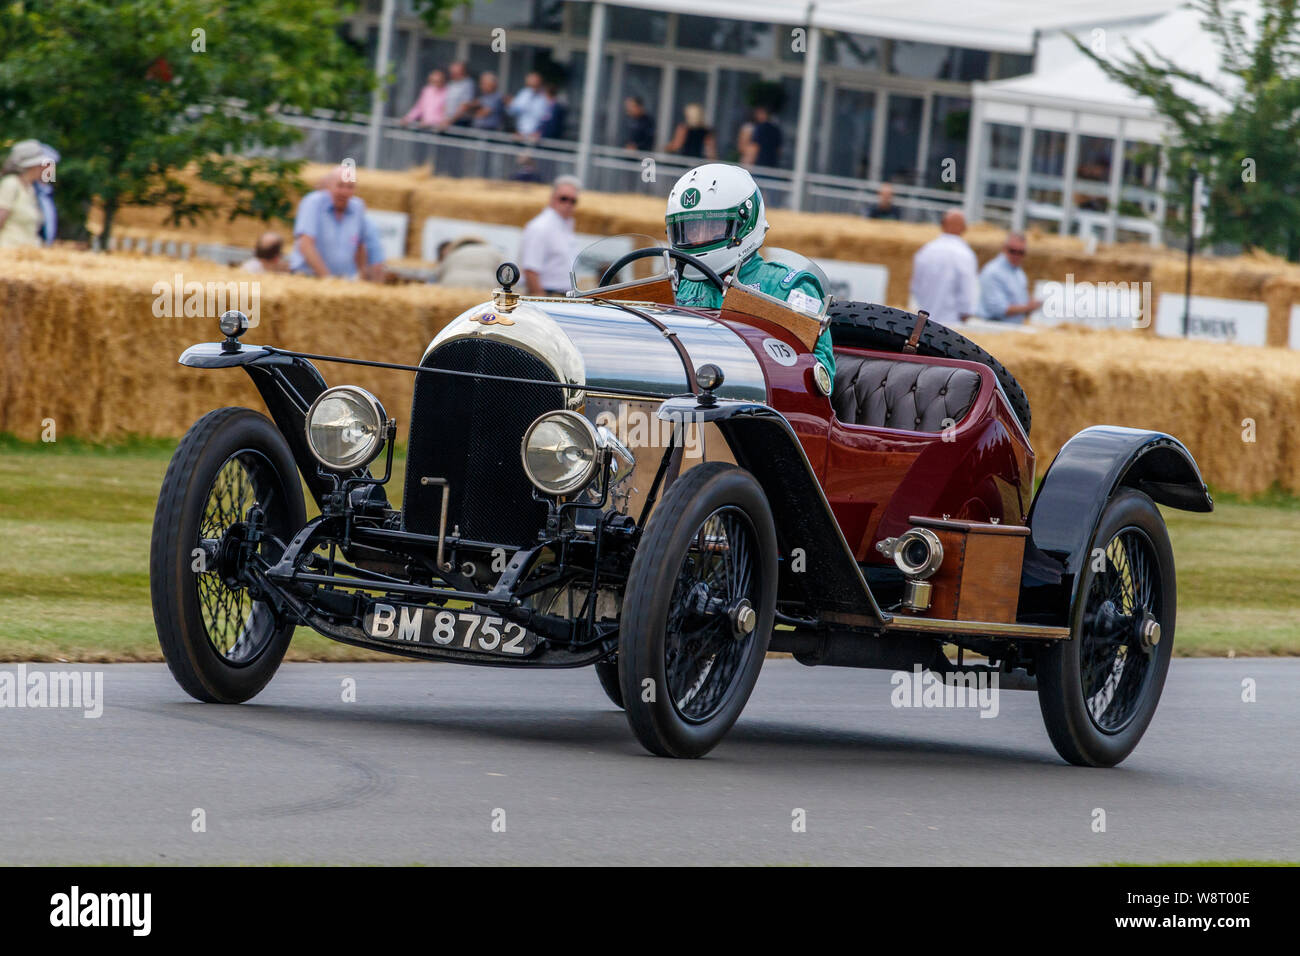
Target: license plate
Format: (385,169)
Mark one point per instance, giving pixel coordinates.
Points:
(440,627)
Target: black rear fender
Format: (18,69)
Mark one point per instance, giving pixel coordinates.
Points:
(1087,471)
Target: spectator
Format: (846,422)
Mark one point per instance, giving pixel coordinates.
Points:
(430,107)
(640,128)
(556,114)
(489,106)
(526,170)
(268,254)
(944,282)
(373,243)
(329,229)
(694,137)
(469,263)
(529,107)
(548,246)
(20,211)
(1004,287)
(760,141)
(460,96)
(884,207)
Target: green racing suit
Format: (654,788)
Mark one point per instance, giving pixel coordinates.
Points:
(798,288)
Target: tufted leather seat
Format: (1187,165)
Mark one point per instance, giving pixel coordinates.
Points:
(885,393)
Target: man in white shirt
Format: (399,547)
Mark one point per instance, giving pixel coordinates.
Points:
(945,281)
(548,246)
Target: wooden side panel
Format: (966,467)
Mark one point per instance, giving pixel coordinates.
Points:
(979,579)
(946,582)
(990,586)
(745,301)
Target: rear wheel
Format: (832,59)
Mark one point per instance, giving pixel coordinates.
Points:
(1098,691)
(221,645)
(698,611)
(881,328)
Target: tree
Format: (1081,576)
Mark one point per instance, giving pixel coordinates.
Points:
(1246,151)
(133,92)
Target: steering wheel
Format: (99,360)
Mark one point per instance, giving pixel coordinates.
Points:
(684,258)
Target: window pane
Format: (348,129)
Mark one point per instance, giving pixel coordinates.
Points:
(529,14)
(854,116)
(1014,64)
(725,36)
(949,130)
(637,26)
(1092,173)
(732,111)
(902,138)
(1004,146)
(936,62)
(854,49)
(641,81)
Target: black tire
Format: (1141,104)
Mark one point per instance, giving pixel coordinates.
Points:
(607,675)
(220,645)
(708,551)
(866,325)
(1098,691)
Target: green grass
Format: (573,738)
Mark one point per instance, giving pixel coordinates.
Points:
(74,556)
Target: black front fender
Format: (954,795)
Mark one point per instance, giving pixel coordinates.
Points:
(288,385)
(1087,471)
(763,443)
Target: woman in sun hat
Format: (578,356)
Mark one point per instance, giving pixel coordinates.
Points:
(20,211)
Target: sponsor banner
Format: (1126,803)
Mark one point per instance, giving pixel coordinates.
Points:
(856,281)
(392,231)
(437,230)
(1214,320)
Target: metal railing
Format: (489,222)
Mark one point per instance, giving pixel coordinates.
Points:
(474,153)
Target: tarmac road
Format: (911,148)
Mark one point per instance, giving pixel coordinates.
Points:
(419,766)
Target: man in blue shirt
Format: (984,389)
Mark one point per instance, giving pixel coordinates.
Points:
(1004,288)
(329,229)
(374,246)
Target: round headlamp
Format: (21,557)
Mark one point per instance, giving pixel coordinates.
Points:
(345,428)
(560,452)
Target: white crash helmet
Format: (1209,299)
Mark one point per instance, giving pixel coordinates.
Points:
(716,213)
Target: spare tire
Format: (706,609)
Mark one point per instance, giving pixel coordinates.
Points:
(866,325)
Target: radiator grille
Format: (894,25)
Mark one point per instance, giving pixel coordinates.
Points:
(468,430)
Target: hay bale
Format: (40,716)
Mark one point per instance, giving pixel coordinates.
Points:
(82,346)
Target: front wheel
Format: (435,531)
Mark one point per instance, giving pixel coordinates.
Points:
(698,611)
(1098,691)
(221,644)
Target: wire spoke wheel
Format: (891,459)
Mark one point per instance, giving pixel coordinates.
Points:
(698,610)
(1114,662)
(704,648)
(222,643)
(237,627)
(1098,690)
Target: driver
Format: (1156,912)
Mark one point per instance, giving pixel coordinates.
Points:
(716,214)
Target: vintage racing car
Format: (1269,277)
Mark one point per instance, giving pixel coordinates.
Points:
(667,494)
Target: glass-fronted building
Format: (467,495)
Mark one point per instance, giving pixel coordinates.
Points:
(871,93)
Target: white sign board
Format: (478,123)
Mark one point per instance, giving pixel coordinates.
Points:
(1294,339)
(856,281)
(392,231)
(1213,320)
(1098,305)
(437,230)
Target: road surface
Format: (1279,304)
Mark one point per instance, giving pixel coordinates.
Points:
(440,763)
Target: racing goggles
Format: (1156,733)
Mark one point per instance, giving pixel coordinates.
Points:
(702,230)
